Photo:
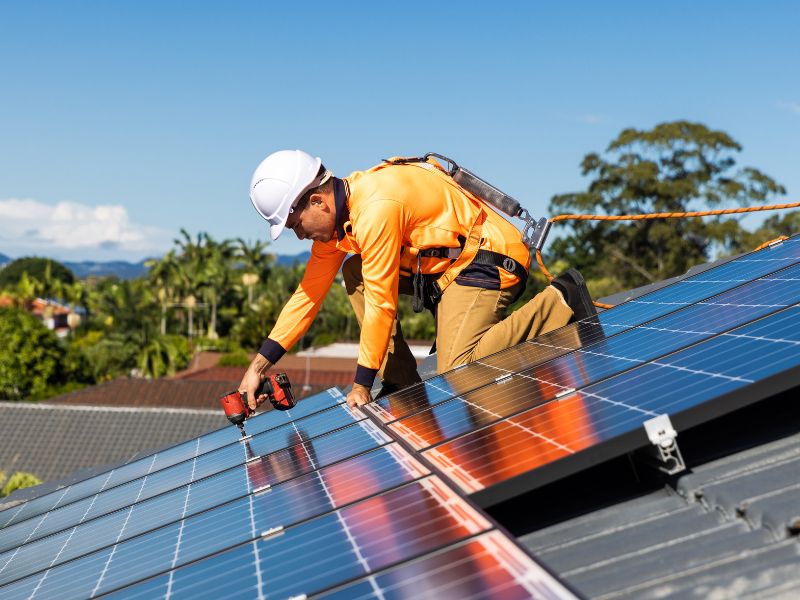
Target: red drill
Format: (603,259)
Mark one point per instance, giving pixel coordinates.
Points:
(276,387)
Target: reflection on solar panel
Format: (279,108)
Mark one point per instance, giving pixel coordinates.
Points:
(590,387)
(307,505)
(562,341)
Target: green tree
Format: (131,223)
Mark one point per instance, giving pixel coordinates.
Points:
(674,167)
(162,355)
(30,356)
(168,278)
(50,272)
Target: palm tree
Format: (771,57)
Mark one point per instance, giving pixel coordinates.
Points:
(254,263)
(158,357)
(167,276)
(28,288)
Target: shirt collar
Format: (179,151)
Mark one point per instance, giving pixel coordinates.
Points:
(340,201)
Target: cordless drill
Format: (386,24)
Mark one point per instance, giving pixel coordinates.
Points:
(276,387)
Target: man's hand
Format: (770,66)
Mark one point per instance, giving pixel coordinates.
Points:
(256,373)
(358,396)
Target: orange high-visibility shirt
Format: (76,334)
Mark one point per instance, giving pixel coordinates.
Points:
(391,213)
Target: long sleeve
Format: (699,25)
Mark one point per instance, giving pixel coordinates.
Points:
(378,230)
(301,309)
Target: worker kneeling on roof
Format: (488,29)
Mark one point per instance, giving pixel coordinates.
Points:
(411,230)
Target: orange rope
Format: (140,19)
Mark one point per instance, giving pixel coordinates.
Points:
(673,215)
(780,238)
(668,215)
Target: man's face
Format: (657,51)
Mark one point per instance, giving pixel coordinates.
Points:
(314,222)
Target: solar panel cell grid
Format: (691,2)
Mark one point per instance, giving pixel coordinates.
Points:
(605,411)
(600,360)
(228,435)
(487,566)
(551,345)
(185,501)
(160,482)
(346,544)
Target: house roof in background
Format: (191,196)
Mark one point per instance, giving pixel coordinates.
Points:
(150,392)
(53,441)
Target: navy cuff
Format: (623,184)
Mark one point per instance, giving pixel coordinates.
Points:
(272,350)
(365,376)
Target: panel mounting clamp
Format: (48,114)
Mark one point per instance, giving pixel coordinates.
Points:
(664,451)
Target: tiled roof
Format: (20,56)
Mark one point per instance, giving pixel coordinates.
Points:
(53,441)
(146,392)
(298,377)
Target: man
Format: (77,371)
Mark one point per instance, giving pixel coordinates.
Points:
(411,229)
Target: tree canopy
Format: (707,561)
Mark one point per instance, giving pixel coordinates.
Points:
(674,167)
(30,355)
(43,270)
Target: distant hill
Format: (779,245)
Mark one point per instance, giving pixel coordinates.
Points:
(289,260)
(117,268)
(129,270)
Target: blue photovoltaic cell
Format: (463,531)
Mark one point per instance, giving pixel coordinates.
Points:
(222,527)
(256,474)
(551,345)
(142,466)
(603,411)
(470,569)
(177,475)
(600,360)
(329,550)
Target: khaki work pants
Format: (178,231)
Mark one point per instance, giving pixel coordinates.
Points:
(469,323)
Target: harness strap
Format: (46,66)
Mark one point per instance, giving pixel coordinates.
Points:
(482,257)
(468,252)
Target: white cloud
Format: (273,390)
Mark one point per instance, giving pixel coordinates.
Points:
(790,106)
(30,226)
(592,119)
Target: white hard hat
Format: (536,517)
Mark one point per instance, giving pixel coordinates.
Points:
(279,182)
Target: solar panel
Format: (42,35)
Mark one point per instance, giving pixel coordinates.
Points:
(146,515)
(163,459)
(420,522)
(158,482)
(597,361)
(633,313)
(332,507)
(543,443)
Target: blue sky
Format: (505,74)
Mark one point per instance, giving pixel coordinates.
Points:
(121,122)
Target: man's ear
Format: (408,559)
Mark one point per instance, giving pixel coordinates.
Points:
(318,199)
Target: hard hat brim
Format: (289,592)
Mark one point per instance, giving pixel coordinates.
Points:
(276,230)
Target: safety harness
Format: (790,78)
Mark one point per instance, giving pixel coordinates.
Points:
(428,289)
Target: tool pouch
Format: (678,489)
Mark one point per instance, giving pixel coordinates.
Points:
(426,292)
